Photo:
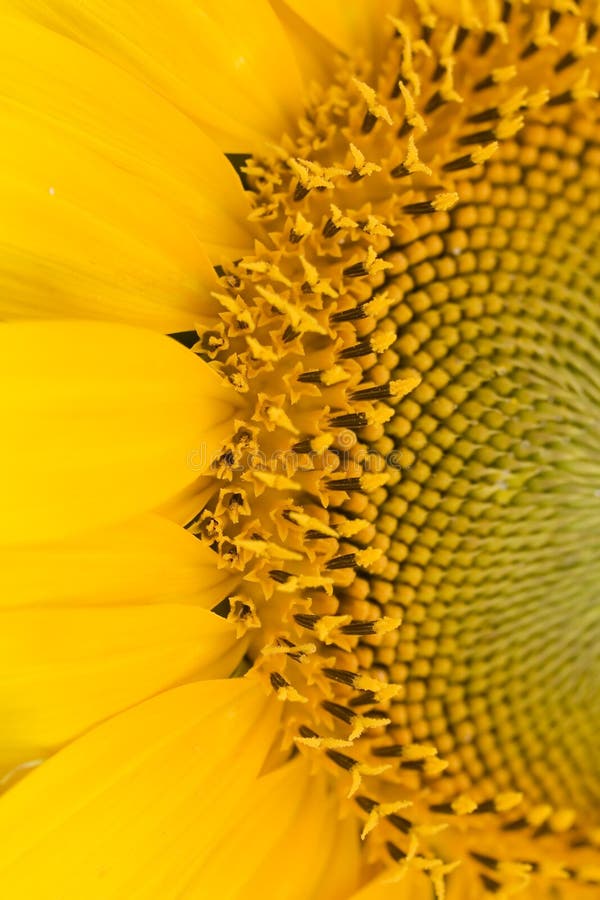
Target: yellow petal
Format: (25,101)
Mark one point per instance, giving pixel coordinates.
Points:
(147,560)
(224,64)
(100,422)
(186,505)
(380,890)
(348,24)
(342,870)
(315,834)
(315,53)
(287,843)
(64,670)
(109,207)
(136,807)
(397,883)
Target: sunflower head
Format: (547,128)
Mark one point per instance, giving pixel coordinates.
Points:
(395,380)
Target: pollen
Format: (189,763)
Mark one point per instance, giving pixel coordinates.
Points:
(412,493)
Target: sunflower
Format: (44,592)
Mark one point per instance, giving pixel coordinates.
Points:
(301,486)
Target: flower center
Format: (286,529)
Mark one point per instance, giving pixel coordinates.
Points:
(412,495)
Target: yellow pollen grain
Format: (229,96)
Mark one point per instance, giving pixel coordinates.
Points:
(361,166)
(373,105)
(412,116)
(463,806)
(502,75)
(412,162)
(445,201)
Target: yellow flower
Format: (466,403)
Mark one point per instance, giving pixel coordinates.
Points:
(303,602)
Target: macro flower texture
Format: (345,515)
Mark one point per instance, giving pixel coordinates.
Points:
(300,352)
